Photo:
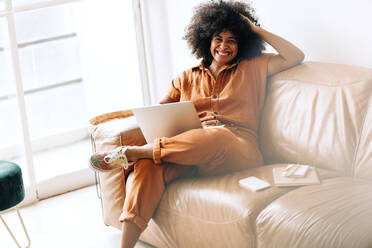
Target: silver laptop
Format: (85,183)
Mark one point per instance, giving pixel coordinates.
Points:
(166,120)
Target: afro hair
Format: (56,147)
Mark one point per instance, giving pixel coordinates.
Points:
(212,18)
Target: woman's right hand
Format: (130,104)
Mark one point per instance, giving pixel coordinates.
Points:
(253,26)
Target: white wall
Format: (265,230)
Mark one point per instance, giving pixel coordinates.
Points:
(337,31)
(179,16)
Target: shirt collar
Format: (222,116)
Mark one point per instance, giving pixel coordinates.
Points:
(202,67)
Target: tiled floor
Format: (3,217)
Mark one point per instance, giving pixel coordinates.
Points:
(71,220)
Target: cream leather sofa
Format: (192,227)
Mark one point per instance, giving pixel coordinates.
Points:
(315,113)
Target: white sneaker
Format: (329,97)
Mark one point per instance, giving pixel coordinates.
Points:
(107,161)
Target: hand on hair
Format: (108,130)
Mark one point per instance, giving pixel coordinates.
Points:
(254,28)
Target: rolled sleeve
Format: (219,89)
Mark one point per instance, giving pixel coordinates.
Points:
(174,90)
(157,150)
(138,220)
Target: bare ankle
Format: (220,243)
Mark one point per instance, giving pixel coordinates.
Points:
(131,153)
(130,234)
(134,153)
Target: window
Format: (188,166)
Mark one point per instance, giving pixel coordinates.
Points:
(61,63)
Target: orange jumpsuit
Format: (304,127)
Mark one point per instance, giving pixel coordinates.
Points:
(229,108)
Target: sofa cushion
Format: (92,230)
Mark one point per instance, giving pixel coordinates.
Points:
(212,212)
(336,213)
(314,115)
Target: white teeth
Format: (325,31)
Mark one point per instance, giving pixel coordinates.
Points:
(223,54)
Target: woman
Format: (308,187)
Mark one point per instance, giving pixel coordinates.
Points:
(227,89)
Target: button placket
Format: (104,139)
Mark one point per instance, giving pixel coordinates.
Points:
(215,115)
(215,94)
(214,104)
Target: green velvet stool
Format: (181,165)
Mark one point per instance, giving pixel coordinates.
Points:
(12,193)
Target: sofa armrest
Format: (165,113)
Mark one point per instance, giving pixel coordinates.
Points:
(109,131)
(115,129)
(110,116)
(111,124)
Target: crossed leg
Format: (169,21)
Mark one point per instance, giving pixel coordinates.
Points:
(215,151)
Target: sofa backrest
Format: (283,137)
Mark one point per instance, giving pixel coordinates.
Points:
(363,158)
(315,113)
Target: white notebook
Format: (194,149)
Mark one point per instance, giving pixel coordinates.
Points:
(282,181)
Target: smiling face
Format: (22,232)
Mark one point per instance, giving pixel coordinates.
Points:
(224,48)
